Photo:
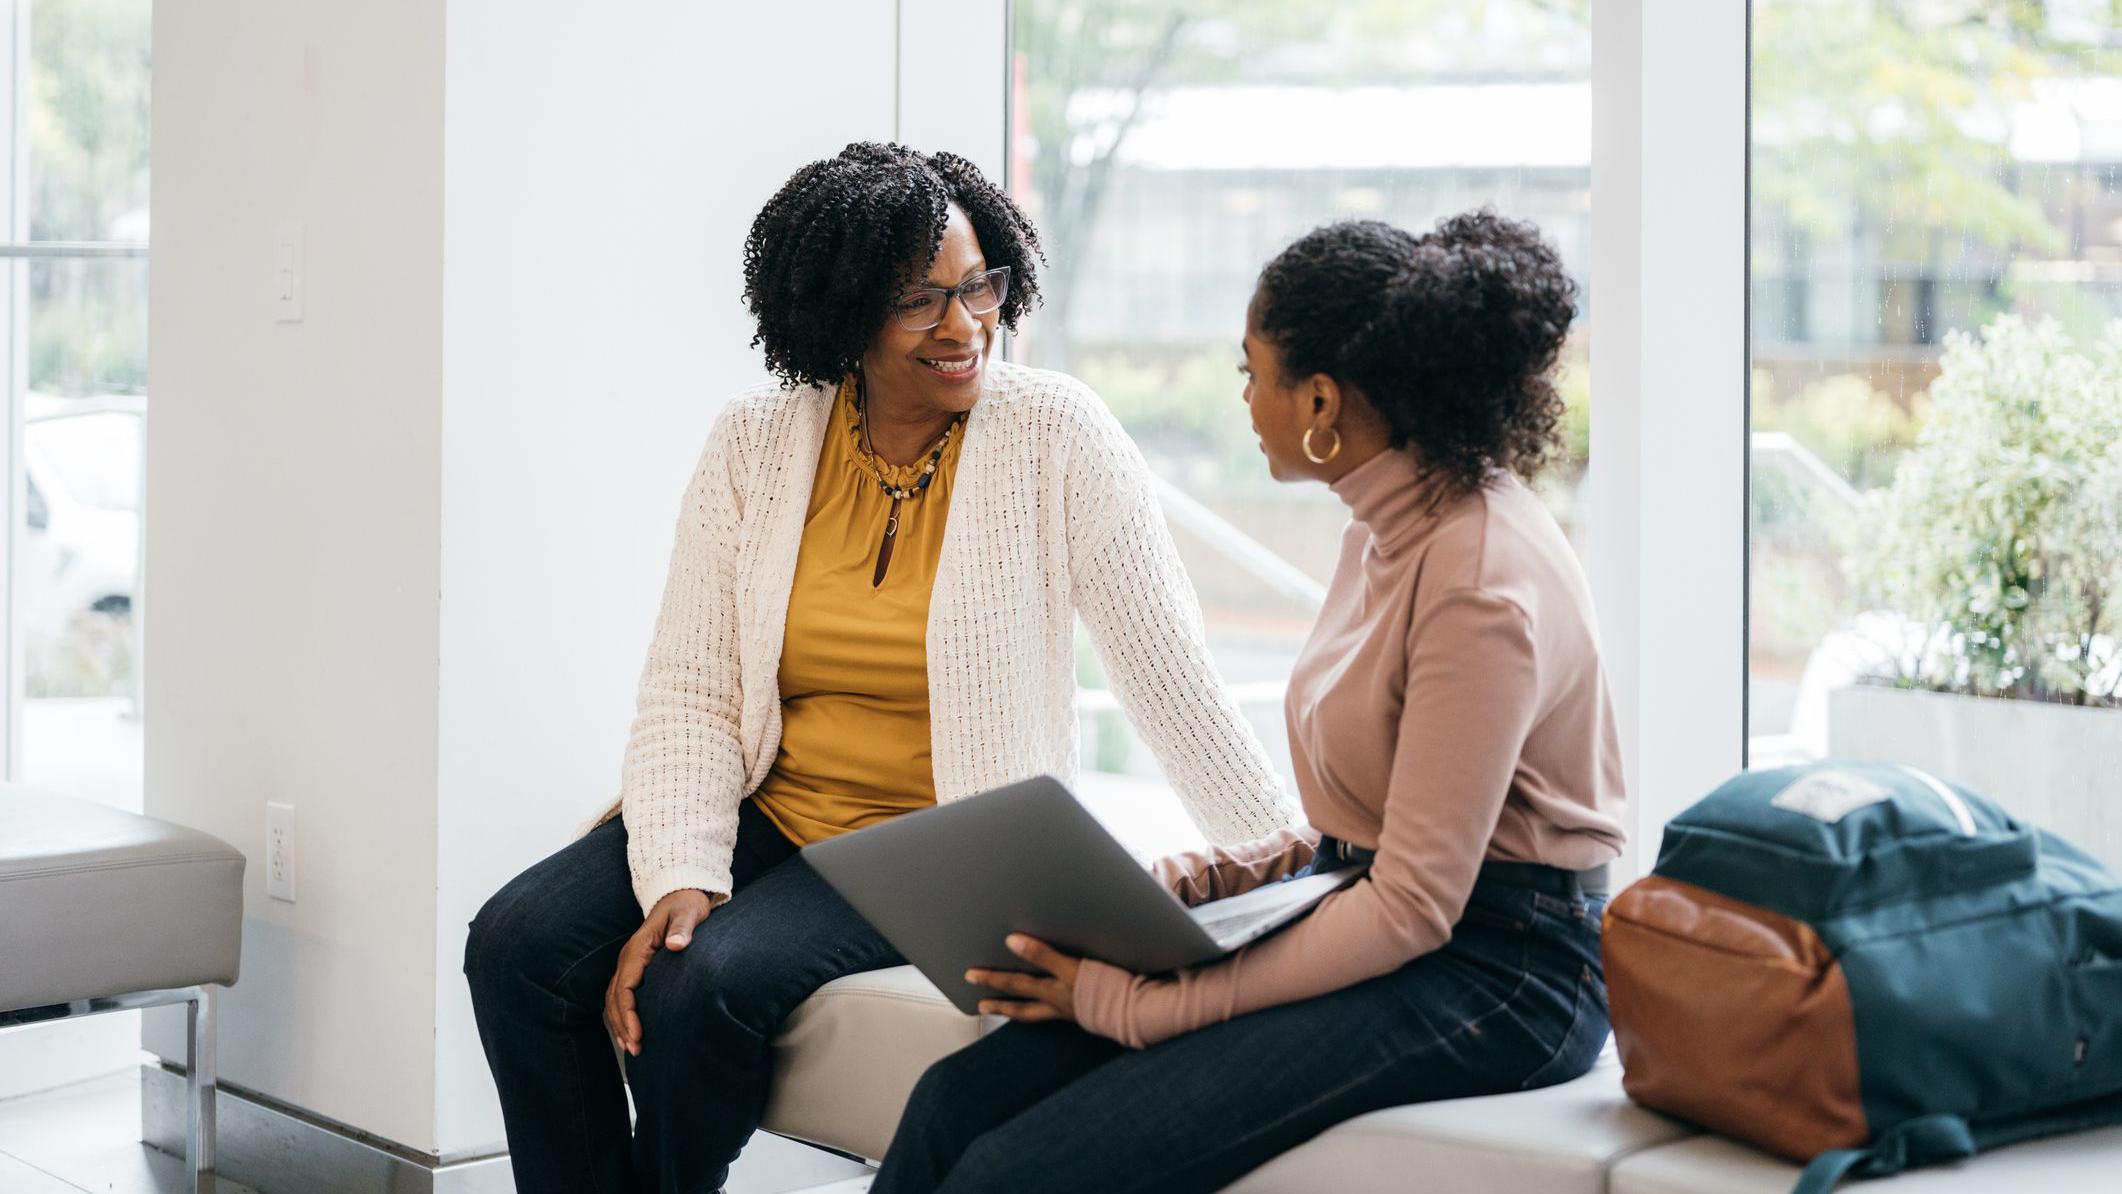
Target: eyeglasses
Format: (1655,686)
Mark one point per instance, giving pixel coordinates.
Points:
(920,310)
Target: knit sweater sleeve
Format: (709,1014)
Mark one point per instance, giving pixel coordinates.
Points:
(1134,597)
(683,777)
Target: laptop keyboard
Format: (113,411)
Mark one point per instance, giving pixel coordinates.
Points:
(1235,924)
(1234,918)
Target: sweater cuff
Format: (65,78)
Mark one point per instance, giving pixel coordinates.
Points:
(1103,994)
(654,886)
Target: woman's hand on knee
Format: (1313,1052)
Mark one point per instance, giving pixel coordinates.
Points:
(669,925)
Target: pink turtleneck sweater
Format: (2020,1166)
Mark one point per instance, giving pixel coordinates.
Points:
(1449,707)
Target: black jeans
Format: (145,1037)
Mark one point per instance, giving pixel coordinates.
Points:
(1514,1001)
(542,952)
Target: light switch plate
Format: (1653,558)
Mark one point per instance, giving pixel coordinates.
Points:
(280,851)
(287,273)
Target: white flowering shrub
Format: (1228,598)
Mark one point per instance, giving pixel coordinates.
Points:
(2001,535)
(2078,620)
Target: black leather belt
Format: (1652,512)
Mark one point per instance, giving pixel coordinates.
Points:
(1333,854)
(1551,879)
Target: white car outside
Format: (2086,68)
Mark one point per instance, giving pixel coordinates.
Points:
(82,457)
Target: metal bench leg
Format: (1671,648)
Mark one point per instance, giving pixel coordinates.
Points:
(201,1082)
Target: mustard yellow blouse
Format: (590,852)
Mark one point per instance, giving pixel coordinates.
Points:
(854,661)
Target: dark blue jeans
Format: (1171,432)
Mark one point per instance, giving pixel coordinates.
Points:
(1515,1000)
(540,956)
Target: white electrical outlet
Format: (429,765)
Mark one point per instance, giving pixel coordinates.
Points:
(280,851)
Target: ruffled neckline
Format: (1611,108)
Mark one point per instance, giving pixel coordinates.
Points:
(849,418)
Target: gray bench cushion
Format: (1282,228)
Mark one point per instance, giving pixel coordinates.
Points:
(2087,1163)
(95,902)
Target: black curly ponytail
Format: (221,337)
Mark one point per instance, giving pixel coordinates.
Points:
(1450,335)
(828,252)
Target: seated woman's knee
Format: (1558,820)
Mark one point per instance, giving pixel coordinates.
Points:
(991,1163)
(505,939)
(941,1087)
(706,992)
(935,1123)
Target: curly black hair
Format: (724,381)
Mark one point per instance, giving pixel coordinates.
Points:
(1450,335)
(842,236)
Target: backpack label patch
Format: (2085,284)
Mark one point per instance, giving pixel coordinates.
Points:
(1830,795)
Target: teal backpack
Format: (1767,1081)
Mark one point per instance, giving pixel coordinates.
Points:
(1863,968)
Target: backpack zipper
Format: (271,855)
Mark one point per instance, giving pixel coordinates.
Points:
(1951,798)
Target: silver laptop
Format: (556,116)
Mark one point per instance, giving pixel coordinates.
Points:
(946,885)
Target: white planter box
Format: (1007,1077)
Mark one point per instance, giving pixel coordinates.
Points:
(2056,766)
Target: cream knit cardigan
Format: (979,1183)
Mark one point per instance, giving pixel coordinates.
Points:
(1053,517)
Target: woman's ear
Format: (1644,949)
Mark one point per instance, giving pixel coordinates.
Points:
(1325,400)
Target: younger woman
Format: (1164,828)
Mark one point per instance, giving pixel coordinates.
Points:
(1450,724)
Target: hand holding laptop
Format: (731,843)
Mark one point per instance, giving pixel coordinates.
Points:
(948,885)
(1037,997)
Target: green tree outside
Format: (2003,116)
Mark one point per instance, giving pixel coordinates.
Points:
(88,125)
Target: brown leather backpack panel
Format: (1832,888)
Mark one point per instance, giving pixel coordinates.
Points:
(1733,1017)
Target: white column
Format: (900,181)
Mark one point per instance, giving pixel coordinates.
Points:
(954,66)
(411,546)
(593,327)
(1668,361)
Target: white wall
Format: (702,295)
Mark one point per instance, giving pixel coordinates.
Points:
(604,164)
(405,554)
(293,480)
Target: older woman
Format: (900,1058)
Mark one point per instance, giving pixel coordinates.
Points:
(879,566)
(1451,727)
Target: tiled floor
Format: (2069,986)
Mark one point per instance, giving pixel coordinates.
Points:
(86,1137)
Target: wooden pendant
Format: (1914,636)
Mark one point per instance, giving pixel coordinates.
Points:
(884,550)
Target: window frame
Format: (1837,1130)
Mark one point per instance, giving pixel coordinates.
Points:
(17,254)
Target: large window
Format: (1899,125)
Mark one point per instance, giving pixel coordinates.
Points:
(76,357)
(1167,149)
(1937,394)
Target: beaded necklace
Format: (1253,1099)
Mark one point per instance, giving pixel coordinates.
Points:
(897,493)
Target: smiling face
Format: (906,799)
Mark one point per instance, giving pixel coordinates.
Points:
(938,370)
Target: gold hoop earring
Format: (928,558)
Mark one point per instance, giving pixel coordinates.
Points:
(1312,454)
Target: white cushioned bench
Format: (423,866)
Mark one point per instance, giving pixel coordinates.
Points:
(846,1061)
(848,1058)
(1561,1140)
(2085,1163)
